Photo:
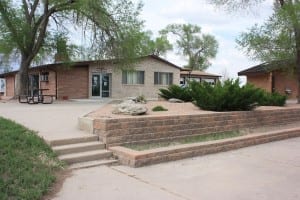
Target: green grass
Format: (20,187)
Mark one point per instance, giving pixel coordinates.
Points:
(27,164)
(194,139)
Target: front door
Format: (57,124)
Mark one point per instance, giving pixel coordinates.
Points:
(101,85)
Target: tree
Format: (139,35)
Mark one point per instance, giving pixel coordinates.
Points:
(278,38)
(264,44)
(225,75)
(158,46)
(191,42)
(32,29)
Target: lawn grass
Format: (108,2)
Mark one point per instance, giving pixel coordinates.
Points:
(194,139)
(27,164)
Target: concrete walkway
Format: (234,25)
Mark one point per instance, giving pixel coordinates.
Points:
(268,171)
(52,121)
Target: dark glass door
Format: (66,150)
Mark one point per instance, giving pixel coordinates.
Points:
(34,85)
(96,85)
(105,85)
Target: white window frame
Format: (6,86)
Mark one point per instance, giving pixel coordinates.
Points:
(163,78)
(133,77)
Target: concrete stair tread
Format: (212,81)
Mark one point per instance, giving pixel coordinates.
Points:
(62,142)
(76,145)
(94,163)
(83,154)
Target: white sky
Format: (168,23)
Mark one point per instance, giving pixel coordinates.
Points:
(224,26)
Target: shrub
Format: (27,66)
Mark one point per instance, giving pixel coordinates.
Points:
(177,92)
(159,108)
(272,99)
(227,96)
(141,99)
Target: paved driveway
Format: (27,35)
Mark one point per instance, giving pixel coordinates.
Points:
(52,121)
(268,171)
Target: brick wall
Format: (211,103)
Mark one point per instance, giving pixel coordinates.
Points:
(283,80)
(263,81)
(50,84)
(10,86)
(72,83)
(135,158)
(159,128)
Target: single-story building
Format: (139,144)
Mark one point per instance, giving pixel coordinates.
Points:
(199,76)
(99,79)
(276,76)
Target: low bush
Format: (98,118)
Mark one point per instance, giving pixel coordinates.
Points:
(177,92)
(159,108)
(227,96)
(272,99)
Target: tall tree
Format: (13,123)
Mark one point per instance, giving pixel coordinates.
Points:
(265,44)
(29,28)
(157,46)
(278,38)
(199,48)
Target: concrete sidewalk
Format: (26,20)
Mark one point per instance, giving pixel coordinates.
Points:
(52,121)
(268,171)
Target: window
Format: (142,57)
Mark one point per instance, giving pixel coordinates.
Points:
(44,76)
(163,78)
(133,77)
(210,81)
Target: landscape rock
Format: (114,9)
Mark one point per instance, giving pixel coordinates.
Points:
(138,99)
(129,107)
(173,100)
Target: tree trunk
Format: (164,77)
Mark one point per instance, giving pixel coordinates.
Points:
(297,37)
(298,73)
(22,78)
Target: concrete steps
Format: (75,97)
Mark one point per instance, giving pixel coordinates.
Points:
(79,147)
(86,156)
(95,163)
(83,152)
(61,142)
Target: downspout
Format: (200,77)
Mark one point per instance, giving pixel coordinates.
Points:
(272,82)
(56,88)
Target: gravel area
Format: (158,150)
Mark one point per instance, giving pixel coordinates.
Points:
(173,109)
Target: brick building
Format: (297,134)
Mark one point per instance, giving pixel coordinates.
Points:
(99,79)
(277,76)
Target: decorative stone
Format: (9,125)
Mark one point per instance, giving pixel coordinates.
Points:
(173,100)
(129,107)
(138,99)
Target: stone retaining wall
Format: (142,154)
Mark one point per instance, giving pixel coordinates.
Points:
(141,158)
(145,129)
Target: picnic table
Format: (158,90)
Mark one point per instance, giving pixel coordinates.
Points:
(37,98)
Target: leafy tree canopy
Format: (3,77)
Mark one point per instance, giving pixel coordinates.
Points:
(33,30)
(278,38)
(157,46)
(274,40)
(198,47)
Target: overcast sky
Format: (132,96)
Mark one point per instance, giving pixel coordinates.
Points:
(224,26)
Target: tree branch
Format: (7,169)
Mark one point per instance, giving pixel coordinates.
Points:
(281,2)
(26,11)
(42,23)
(33,8)
(7,20)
